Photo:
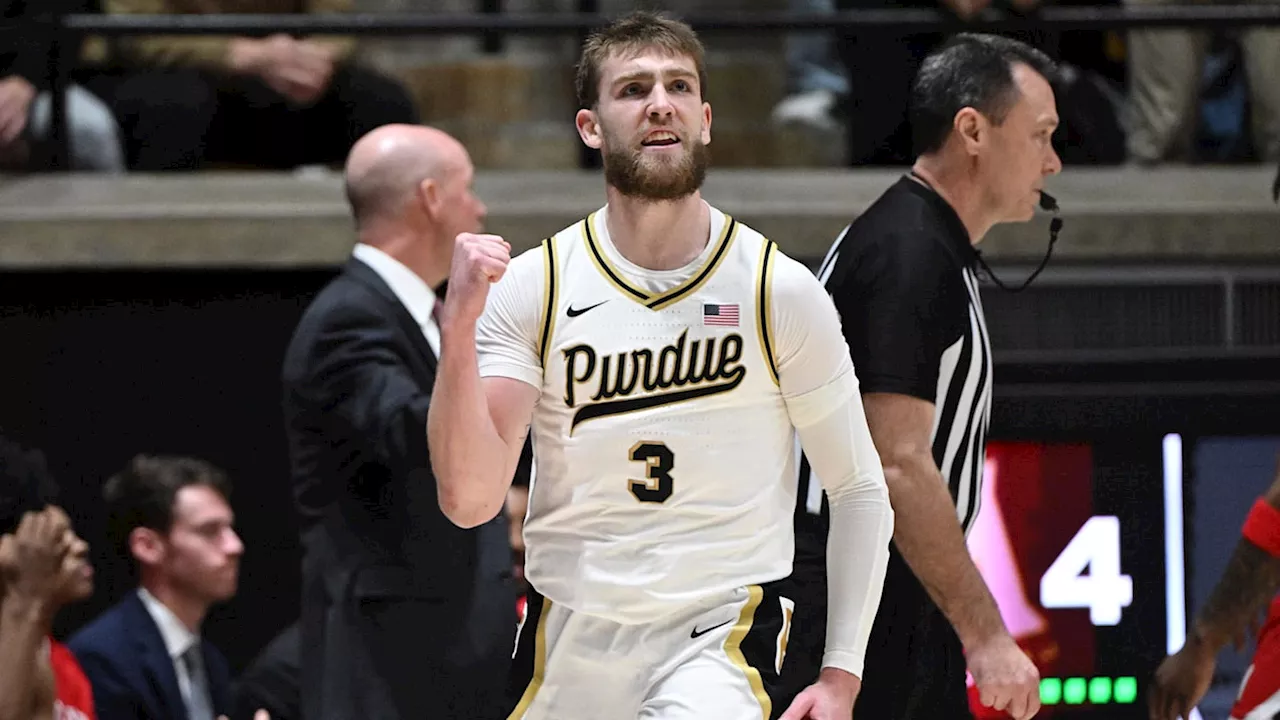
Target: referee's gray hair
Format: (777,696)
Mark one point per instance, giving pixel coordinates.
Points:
(971,70)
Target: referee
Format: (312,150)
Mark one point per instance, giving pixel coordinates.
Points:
(902,277)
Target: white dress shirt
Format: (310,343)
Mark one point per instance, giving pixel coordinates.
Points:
(410,289)
(179,641)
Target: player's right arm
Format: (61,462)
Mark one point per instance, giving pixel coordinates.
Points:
(899,314)
(476,427)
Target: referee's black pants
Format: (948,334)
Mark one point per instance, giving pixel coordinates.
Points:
(915,666)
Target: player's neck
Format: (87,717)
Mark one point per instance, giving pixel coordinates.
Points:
(958,187)
(658,235)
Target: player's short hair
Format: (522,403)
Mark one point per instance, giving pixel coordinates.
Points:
(26,485)
(143,493)
(632,34)
(971,70)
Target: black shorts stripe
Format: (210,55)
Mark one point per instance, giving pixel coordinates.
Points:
(760,645)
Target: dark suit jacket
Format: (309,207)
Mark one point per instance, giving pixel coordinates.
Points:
(404,614)
(132,675)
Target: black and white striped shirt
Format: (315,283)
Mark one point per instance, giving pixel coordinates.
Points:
(902,278)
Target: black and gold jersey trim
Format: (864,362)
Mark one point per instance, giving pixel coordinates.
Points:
(764,305)
(550,298)
(662,300)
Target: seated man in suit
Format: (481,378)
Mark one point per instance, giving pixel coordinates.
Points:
(144,657)
(43,567)
(279,101)
(404,614)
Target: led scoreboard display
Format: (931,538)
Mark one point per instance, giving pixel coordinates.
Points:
(1084,556)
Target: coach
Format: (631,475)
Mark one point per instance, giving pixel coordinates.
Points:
(902,275)
(404,615)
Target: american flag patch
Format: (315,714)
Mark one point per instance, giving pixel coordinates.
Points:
(724,315)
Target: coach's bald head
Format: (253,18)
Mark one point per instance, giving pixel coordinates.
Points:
(409,187)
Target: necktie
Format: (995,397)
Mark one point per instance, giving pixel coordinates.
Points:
(199,706)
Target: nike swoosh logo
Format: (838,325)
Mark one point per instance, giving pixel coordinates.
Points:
(699,633)
(574,312)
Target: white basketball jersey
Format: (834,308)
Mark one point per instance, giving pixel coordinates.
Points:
(664,455)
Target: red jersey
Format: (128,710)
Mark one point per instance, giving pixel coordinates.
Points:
(1259,697)
(73,696)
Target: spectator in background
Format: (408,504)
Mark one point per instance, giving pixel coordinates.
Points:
(25,102)
(276,102)
(144,656)
(404,614)
(1165,68)
(817,86)
(43,567)
(879,131)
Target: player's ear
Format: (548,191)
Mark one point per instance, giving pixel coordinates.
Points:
(706,123)
(589,129)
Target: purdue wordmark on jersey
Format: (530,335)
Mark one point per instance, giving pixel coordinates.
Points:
(643,378)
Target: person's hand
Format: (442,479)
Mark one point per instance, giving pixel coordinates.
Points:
(1006,678)
(300,70)
(16,96)
(31,558)
(311,65)
(478,262)
(831,698)
(1181,681)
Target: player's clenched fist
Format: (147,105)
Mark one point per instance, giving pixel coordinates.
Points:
(478,262)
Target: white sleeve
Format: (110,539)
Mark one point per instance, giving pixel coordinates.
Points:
(821,391)
(507,332)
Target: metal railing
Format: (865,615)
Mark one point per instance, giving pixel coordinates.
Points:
(69,30)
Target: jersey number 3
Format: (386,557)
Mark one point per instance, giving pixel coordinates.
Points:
(659,485)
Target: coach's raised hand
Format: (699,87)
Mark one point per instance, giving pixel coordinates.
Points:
(478,262)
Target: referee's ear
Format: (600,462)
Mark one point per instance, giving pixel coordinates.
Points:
(589,128)
(971,128)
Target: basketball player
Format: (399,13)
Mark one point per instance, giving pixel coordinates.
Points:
(1251,579)
(665,355)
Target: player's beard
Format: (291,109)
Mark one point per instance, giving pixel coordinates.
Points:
(638,174)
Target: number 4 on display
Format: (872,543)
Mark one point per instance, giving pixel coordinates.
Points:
(1096,550)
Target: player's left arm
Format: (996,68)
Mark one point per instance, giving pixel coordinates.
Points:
(816,376)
